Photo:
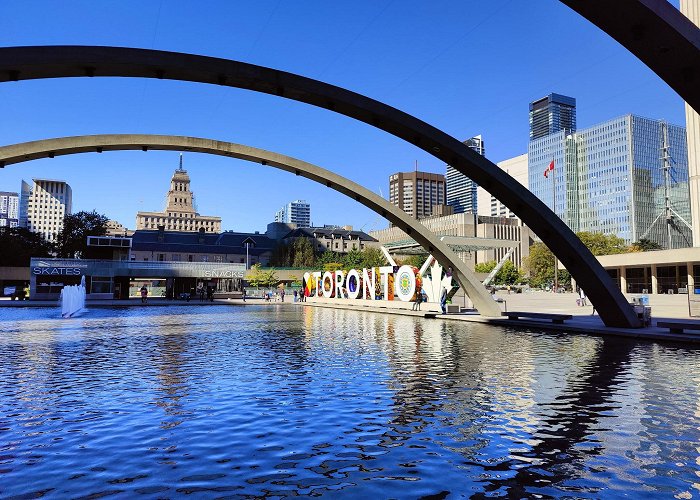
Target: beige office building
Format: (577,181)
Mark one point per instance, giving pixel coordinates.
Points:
(487,204)
(43,205)
(180,214)
(417,193)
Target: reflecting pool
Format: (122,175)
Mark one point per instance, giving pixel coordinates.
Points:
(225,401)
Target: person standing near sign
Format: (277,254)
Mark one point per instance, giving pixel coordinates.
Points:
(443,300)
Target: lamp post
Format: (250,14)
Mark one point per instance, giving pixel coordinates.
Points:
(247,244)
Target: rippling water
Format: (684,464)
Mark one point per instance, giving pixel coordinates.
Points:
(225,401)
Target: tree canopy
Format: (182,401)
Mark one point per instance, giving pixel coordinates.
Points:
(71,241)
(18,245)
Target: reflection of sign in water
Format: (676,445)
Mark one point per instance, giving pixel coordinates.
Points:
(57,271)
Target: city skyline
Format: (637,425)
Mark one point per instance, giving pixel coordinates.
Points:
(358,50)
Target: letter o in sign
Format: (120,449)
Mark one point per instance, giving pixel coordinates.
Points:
(327,292)
(405,283)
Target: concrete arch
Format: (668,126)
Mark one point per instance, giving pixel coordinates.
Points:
(657,33)
(29,151)
(27,63)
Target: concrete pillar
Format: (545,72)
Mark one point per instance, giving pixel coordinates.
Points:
(623,279)
(691,10)
(691,278)
(654,285)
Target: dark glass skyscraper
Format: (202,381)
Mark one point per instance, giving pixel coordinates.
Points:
(461,190)
(551,114)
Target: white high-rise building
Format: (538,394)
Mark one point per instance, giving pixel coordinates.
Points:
(295,212)
(488,204)
(43,205)
(9,209)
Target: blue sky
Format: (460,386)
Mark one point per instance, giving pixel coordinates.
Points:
(467,67)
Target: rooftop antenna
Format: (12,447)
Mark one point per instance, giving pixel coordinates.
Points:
(416,166)
(180,169)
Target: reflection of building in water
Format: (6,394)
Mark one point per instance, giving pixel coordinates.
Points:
(172,358)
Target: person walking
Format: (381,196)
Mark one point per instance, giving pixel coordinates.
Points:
(443,300)
(200,291)
(144,294)
(295,295)
(282,295)
(244,295)
(582,297)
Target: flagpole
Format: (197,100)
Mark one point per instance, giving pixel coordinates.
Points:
(554,209)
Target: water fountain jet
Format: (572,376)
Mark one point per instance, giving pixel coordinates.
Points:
(73,299)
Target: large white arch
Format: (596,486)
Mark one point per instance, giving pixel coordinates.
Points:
(28,151)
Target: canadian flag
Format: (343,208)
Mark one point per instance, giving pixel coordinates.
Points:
(549,169)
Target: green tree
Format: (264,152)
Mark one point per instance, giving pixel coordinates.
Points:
(281,255)
(645,245)
(372,257)
(540,266)
(602,244)
(416,260)
(508,274)
(18,245)
(485,267)
(353,259)
(257,276)
(304,255)
(71,241)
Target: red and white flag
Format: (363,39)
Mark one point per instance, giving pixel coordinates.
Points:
(549,169)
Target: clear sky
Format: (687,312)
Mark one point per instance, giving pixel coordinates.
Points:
(468,67)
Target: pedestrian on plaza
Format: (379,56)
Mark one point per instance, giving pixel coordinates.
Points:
(295,295)
(144,294)
(582,297)
(417,301)
(210,293)
(443,300)
(244,295)
(200,291)
(282,295)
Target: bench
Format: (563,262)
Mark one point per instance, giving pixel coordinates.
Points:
(556,318)
(679,326)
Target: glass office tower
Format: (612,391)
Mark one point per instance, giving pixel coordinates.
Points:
(551,114)
(461,190)
(614,178)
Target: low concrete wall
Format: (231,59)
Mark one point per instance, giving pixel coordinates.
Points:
(386,304)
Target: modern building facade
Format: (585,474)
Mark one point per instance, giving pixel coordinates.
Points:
(43,205)
(691,10)
(180,213)
(616,178)
(417,193)
(9,209)
(461,191)
(295,212)
(551,114)
(488,205)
